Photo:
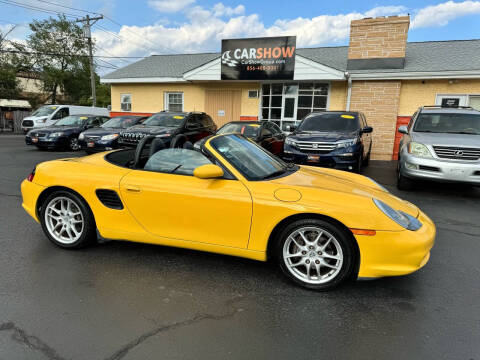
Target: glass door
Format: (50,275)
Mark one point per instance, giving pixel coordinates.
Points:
(289,105)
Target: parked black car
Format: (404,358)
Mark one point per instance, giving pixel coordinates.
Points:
(106,136)
(334,139)
(174,128)
(64,133)
(265,133)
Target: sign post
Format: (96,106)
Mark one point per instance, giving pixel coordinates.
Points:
(271,58)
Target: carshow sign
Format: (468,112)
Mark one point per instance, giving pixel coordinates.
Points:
(271,58)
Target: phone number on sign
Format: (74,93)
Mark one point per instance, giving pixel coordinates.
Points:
(263,68)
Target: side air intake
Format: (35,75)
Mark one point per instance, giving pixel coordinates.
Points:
(109,198)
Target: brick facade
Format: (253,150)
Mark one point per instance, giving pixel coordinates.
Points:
(383,37)
(378,100)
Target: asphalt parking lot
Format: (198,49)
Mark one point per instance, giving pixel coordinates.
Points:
(123,300)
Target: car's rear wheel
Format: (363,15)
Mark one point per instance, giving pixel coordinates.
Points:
(67,221)
(73,144)
(315,254)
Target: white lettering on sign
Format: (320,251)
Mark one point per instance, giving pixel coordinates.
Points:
(221,112)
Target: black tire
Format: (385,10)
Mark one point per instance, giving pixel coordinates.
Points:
(366,161)
(73,144)
(358,166)
(343,239)
(178,141)
(88,232)
(403,183)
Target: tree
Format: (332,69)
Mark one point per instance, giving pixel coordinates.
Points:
(9,65)
(60,53)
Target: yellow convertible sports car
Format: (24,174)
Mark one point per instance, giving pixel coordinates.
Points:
(232,197)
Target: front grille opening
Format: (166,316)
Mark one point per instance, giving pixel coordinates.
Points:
(428,168)
(477,173)
(109,198)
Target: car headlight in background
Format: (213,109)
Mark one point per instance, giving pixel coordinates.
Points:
(81,136)
(403,219)
(418,149)
(290,142)
(56,134)
(109,137)
(346,143)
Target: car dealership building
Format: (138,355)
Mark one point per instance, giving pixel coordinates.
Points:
(379,73)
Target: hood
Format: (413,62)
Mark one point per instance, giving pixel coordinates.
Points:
(323,136)
(35,117)
(348,183)
(153,130)
(460,140)
(99,131)
(64,129)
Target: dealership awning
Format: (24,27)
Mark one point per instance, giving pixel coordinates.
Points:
(24,104)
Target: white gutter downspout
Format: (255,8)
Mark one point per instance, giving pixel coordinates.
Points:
(349,89)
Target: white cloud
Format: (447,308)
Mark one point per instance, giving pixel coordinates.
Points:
(441,14)
(169,6)
(221,10)
(205,27)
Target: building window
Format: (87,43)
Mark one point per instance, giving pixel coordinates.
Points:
(288,103)
(126,102)
(253,94)
(174,101)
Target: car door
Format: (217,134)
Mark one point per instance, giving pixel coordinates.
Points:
(366,137)
(181,206)
(265,137)
(194,129)
(279,139)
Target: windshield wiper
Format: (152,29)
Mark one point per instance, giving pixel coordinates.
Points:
(272,175)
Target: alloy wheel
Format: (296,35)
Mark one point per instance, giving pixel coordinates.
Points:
(64,220)
(313,255)
(74,144)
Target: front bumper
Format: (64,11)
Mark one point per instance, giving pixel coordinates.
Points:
(30,194)
(98,145)
(394,253)
(439,169)
(342,160)
(50,143)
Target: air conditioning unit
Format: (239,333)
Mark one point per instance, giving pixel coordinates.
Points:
(126,106)
(253,94)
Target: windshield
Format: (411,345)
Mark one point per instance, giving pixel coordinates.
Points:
(450,123)
(329,122)
(72,121)
(249,158)
(248,130)
(44,110)
(120,122)
(164,119)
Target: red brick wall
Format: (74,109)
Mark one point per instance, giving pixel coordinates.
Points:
(401,120)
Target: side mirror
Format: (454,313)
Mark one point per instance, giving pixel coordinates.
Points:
(403,129)
(290,128)
(367,130)
(208,171)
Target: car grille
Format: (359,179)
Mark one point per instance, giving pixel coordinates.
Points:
(459,153)
(27,123)
(316,147)
(92,138)
(39,135)
(132,137)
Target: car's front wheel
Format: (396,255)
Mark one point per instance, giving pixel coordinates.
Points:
(403,183)
(73,144)
(315,254)
(67,221)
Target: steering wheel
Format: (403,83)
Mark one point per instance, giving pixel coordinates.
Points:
(139,150)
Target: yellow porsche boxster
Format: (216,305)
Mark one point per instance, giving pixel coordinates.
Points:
(321,226)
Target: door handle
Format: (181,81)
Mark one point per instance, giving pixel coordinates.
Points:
(132,188)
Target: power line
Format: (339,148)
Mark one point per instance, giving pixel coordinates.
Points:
(108,52)
(68,7)
(60,54)
(109,63)
(37,8)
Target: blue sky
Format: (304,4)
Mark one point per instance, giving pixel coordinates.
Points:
(183,26)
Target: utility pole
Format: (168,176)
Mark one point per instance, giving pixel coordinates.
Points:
(87,23)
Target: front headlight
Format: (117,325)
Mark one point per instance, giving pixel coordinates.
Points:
(418,149)
(56,134)
(109,137)
(81,136)
(346,143)
(403,219)
(290,142)
(392,214)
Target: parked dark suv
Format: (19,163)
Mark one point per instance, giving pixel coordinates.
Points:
(174,128)
(337,139)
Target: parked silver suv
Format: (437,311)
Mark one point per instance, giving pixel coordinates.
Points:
(440,144)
